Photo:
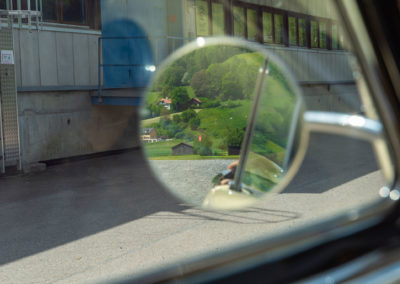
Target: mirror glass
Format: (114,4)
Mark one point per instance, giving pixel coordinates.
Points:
(273,140)
(198,112)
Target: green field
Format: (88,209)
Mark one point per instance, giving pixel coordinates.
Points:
(217,121)
(163,151)
(159,149)
(195,157)
(224,80)
(150,121)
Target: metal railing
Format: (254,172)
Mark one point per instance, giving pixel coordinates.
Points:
(20,14)
(101,64)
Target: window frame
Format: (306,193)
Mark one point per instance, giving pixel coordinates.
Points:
(210,17)
(272,27)
(257,23)
(274,12)
(327,33)
(303,17)
(337,36)
(229,22)
(296,18)
(258,9)
(60,14)
(244,20)
(92,15)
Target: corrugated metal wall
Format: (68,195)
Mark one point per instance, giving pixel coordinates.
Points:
(51,58)
(54,59)
(315,65)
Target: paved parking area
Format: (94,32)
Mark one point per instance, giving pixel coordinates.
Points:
(106,217)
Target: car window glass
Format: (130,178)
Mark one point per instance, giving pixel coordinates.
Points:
(78,199)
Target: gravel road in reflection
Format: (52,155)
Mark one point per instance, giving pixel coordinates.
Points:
(189,180)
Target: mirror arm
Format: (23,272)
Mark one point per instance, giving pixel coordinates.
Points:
(344,124)
(244,153)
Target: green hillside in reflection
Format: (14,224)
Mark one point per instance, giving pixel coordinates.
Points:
(203,101)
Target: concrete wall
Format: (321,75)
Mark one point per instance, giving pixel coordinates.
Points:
(64,124)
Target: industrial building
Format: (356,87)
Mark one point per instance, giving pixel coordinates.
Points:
(81,66)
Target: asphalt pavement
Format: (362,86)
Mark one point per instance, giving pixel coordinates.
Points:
(110,216)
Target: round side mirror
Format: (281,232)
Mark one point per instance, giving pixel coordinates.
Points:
(220,123)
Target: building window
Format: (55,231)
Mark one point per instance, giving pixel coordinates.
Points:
(340,38)
(65,11)
(322,35)
(267,28)
(74,11)
(202,21)
(334,36)
(238,22)
(252,25)
(23,3)
(278,26)
(266,25)
(218,19)
(293,32)
(50,10)
(314,34)
(210,18)
(302,32)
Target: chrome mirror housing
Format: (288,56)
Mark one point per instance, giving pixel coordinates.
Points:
(219,122)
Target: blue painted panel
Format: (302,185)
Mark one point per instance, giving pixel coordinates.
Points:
(126,53)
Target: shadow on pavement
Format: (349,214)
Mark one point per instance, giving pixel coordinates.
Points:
(252,215)
(70,201)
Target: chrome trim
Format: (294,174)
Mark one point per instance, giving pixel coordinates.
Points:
(379,266)
(371,87)
(344,272)
(385,274)
(345,124)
